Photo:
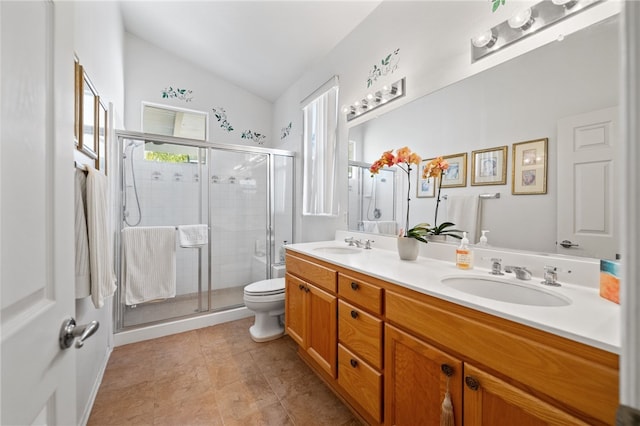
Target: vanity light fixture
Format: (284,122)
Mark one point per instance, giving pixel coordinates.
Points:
(524,23)
(522,20)
(372,101)
(486,39)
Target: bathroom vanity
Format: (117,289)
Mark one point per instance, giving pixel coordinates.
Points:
(389,338)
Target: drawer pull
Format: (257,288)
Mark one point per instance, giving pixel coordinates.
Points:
(301,287)
(354,285)
(472,383)
(354,314)
(306,289)
(353,363)
(447,370)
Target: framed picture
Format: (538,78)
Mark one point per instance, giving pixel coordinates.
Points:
(456,175)
(489,166)
(426,188)
(77,101)
(88,114)
(101,125)
(529,172)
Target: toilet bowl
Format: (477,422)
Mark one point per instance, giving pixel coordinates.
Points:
(266,299)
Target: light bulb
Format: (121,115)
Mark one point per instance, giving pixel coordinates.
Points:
(521,20)
(486,39)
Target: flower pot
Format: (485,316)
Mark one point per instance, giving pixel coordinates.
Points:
(408,248)
(437,238)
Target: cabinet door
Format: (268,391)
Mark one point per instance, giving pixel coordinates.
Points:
(295,309)
(322,338)
(415,383)
(490,401)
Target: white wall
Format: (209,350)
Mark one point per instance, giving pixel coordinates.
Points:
(434,53)
(98,43)
(149,70)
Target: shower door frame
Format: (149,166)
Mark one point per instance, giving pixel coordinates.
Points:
(120,137)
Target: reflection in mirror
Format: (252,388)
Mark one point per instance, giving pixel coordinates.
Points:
(372,199)
(516,101)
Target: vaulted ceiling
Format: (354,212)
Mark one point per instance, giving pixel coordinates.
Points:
(260,46)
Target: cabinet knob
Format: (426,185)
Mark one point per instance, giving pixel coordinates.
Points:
(472,383)
(447,370)
(354,314)
(353,363)
(301,287)
(306,289)
(354,285)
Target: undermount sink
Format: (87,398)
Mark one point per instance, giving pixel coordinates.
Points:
(506,291)
(338,250)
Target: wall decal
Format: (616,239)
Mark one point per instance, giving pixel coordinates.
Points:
(256,137)
(387,66)
(285,131)
(182,94)
(221,116)
(496,4)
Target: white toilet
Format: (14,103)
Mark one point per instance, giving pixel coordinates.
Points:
(266,299)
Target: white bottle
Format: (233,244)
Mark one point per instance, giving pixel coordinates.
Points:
(483,239)
(464,255)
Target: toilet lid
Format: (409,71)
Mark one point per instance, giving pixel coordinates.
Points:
(266,287)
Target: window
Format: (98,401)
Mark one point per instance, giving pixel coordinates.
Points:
(320,122)
(170,121)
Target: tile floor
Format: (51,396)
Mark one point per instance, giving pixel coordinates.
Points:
(214,376)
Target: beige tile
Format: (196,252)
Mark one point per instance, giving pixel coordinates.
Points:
(199,410)
(317,405)
(224,370)
(271,415)
(125,405)
(241,398)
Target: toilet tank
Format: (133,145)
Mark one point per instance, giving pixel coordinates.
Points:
(277,271)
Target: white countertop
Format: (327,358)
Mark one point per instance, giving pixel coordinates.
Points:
(588,319)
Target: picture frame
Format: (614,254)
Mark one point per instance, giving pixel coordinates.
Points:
(102,120)
(456,174)
(489,166)
(77,101)
(425,188)
(88,114)
(529,171)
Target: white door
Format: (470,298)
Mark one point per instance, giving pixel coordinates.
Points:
(588,184)
(36,220)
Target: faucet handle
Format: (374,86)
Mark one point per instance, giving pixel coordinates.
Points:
(367,244)
(551,276)
(496,266)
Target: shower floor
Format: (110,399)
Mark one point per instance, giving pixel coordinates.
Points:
(182,305)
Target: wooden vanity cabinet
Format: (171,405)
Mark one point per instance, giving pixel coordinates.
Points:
(389,353)
(311,311)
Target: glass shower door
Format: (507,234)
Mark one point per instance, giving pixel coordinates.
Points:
(239,209)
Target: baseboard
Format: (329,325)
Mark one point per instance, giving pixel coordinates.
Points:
(94,391)
(179,326)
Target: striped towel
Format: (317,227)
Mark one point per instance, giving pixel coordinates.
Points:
(149,263)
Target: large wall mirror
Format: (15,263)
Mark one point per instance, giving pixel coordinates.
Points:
(520,100)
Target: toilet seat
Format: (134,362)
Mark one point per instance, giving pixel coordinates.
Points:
(272,287)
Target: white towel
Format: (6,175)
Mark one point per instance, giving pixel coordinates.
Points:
(149,263)
(465,212)
(370,226)
(387,227)
(100,249)
(83,270)
(193,235)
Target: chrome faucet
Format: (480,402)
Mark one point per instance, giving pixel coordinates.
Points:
(351,241)
(550,276)
(521,272)
(359,243)
(496,266)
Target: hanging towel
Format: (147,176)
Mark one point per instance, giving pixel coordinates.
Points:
(193,235)
(100,249)
(387,227)
(370,226)
(83,275)
(149,263)
(465,212)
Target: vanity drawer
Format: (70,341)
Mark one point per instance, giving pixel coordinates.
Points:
(360,293)
(360,332)
(361,381)
(311,272)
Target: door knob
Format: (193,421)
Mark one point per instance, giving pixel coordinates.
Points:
(70,331)
(568,244)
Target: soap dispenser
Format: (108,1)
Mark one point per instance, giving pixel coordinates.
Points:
(464,255)
(283,251)
(483,239)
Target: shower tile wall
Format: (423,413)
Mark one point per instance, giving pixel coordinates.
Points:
(169,195)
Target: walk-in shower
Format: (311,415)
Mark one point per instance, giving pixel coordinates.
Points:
(372,199)
(244,197)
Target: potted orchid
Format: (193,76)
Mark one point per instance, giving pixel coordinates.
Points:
(436,168)
(408,237)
